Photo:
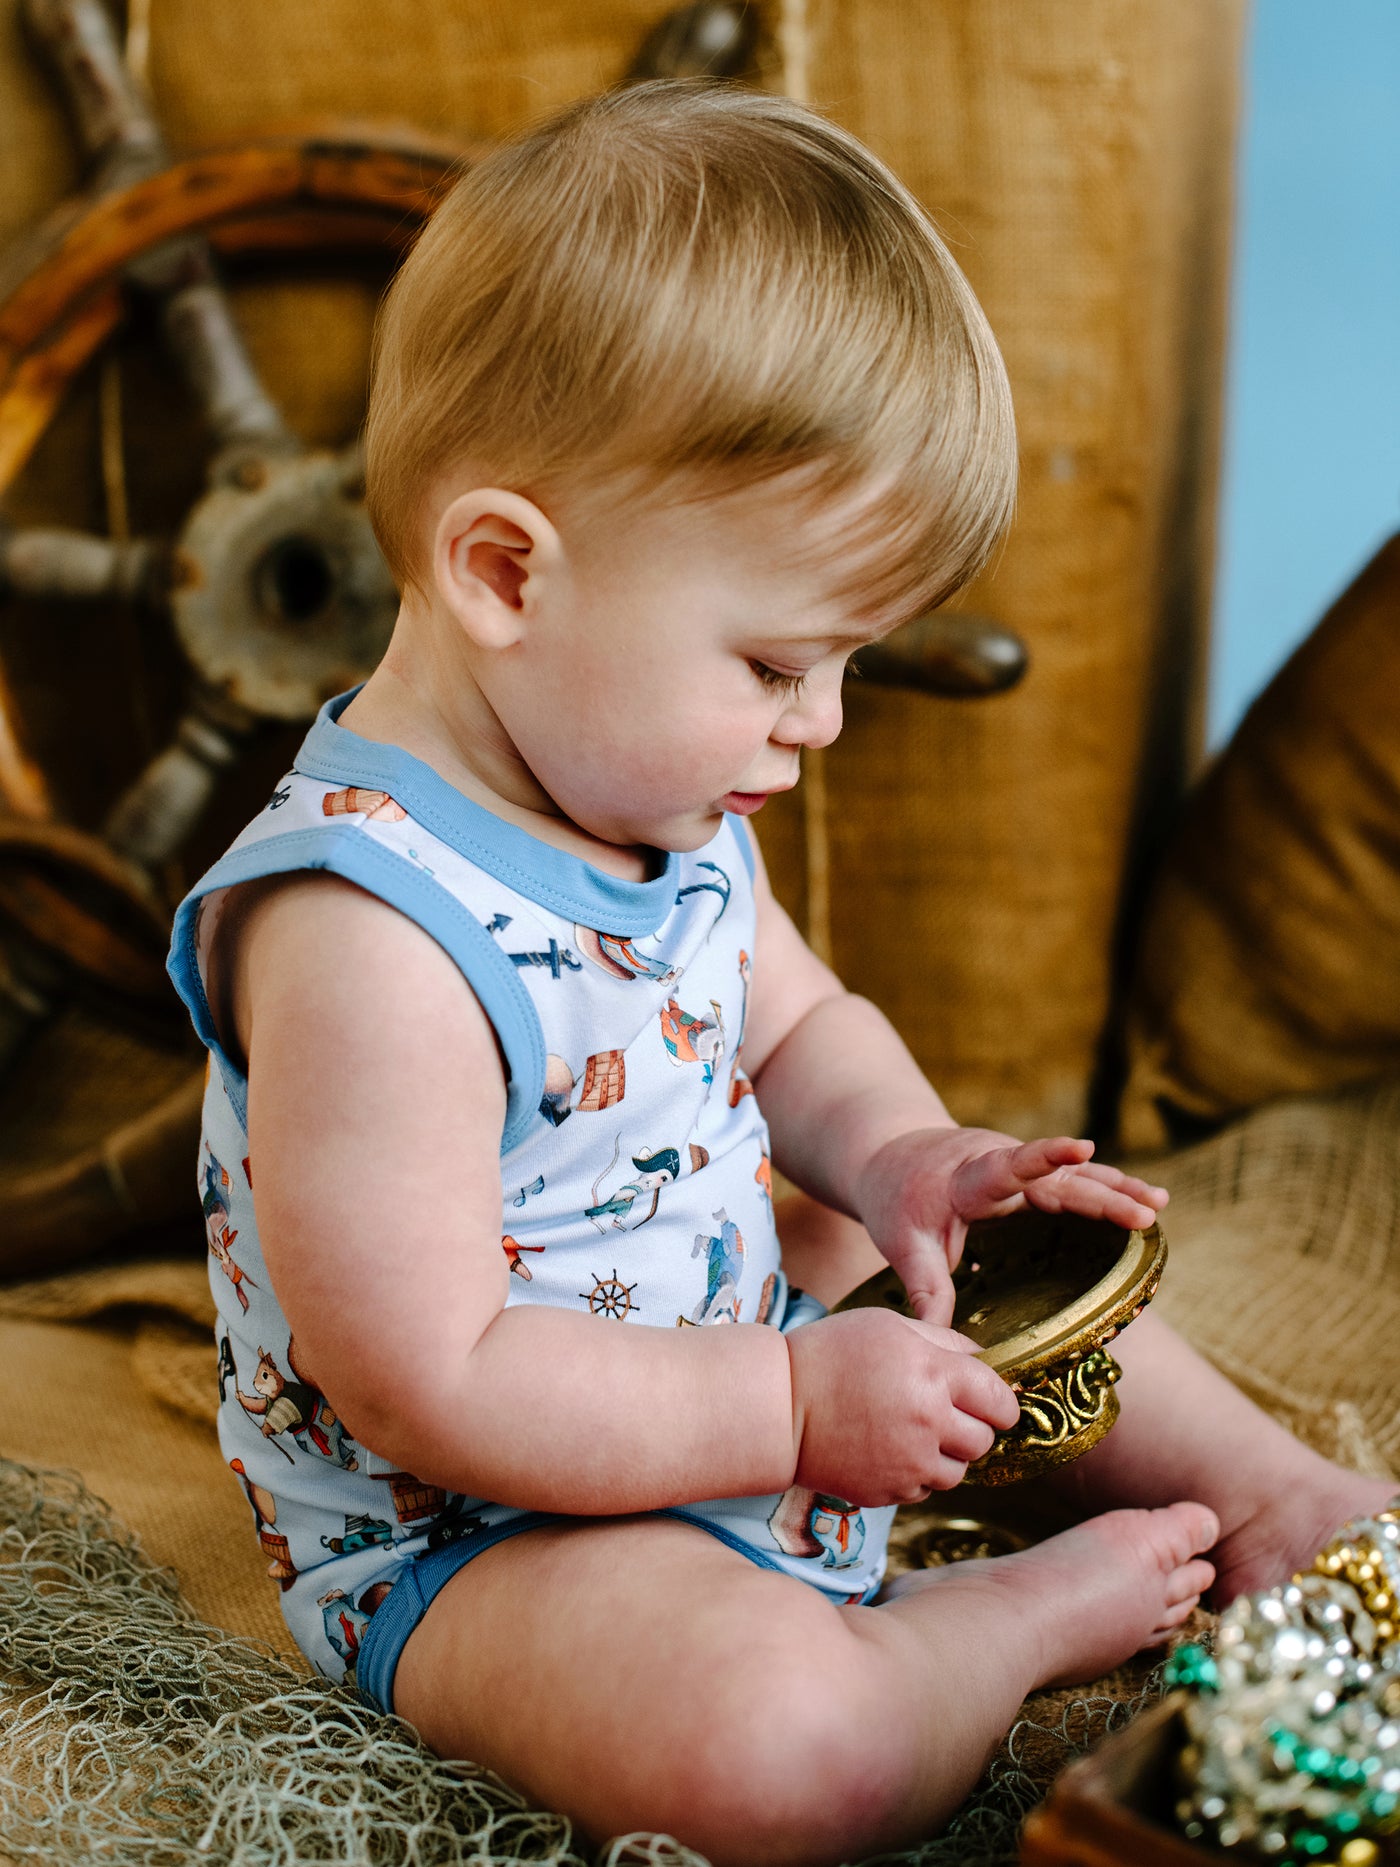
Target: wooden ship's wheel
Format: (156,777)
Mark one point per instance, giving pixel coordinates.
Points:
(273,589)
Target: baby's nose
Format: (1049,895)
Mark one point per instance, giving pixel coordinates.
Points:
(812,719)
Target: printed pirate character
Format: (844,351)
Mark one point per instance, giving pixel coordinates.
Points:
(361,1532)
(297,1407)
(618,957)
(653,1171)
(453,1524)
(763,1176)
(812,1523)
(604,1085)
(725,1265)
(345,1620)
(218,1229)
(227,1372)
(739,1084)
(275,1546)
(689,1039)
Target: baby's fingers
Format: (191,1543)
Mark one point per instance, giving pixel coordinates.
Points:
(976,1390)
(929,1283)
(966,1439)
(995,1183)
(1034,1160)
(1141,1190)
(934,1305)
(1085,1193)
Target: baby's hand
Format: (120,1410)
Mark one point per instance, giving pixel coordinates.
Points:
(919,1193)
(887,1409)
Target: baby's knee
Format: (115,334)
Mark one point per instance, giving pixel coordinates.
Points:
(789,1761)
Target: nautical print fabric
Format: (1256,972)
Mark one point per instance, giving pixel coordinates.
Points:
(635,1169)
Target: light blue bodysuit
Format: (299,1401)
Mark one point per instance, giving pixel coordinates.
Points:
(635,1172)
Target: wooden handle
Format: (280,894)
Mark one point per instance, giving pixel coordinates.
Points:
(957,656)
(714,39)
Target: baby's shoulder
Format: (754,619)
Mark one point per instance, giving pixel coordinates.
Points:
(307,935)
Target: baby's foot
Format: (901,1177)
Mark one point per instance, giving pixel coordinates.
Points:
(1291,1524)
(1098,1593)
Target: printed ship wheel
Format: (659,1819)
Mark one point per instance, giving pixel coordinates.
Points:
(274,590)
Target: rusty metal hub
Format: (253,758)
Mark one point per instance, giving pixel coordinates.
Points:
(280,597)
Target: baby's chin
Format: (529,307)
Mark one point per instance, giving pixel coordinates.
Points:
(677,835)
(681,838)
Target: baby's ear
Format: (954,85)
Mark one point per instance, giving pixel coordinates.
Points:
(494,556)
(496,553)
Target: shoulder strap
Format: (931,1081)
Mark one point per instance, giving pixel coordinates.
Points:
(339,848)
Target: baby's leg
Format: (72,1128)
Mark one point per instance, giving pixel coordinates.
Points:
(637,1674)
(1186,1431)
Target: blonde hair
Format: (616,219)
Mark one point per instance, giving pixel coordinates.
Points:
(698,288)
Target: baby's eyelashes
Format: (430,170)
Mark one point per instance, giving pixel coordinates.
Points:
(776,681)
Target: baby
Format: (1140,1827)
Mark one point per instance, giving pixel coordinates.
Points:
(678,401)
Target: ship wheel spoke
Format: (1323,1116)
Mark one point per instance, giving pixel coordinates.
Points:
(152,819)
(110,112)
(207,347)
(72,566)
(114,123)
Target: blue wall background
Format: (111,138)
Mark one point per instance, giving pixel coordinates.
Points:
(1312,449)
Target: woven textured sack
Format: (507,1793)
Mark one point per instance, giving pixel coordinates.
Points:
(1285,1265)
(1078,159)
(1270,961)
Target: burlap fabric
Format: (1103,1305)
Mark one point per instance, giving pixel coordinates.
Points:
(1285,1270)
(1270,945)
(1078,157)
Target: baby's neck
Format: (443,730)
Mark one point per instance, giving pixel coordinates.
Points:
(464,745)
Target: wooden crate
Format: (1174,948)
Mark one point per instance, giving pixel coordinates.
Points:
(1114,1807)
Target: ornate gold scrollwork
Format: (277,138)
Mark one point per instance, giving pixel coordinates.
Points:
(1063,1414)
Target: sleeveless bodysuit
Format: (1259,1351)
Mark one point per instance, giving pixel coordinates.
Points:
(635,1168)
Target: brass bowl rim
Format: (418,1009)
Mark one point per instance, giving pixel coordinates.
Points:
(1092,1319)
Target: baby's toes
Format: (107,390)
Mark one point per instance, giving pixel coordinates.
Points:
(1171,1619)
(1189,1582)
(1182,1531)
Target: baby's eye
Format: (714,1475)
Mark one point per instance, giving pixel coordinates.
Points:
(776,681)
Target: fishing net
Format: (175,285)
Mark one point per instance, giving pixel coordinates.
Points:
(132,1734)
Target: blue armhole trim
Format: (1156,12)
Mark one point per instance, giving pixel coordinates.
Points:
(348,852)
(743,836)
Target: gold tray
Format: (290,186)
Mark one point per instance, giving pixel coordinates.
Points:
(1043,1294)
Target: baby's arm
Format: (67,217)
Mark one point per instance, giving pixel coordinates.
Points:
(376,1106)
(856,1123)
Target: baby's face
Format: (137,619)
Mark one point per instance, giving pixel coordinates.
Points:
(699,649)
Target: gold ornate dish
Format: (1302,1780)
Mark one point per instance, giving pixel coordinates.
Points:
(1043,1294)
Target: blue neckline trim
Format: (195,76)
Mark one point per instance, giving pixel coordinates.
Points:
(557,880)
